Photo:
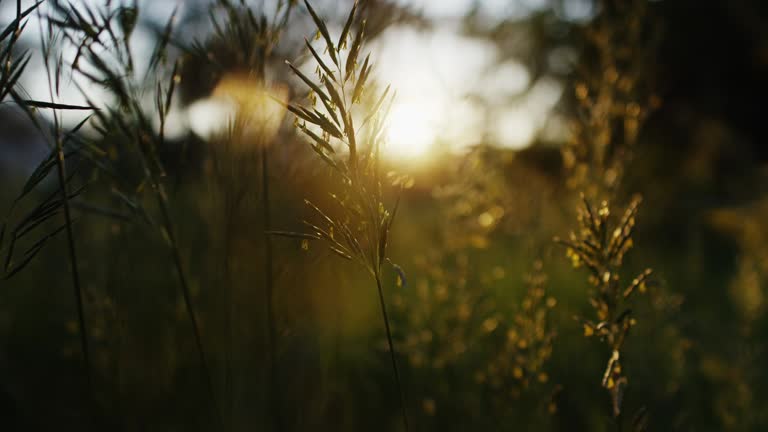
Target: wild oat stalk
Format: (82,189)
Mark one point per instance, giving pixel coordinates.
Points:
(33,220)
(614,100)
(11,68)
(53,78)
(60,201)
(600,244)
(360,232)
(11,65)
(102,38)
(240,49)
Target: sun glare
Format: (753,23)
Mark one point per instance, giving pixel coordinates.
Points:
(411,130)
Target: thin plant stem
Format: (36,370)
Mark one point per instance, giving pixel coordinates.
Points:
(229,371)
(146,147)
(228,283)
(395,369)
(275,405)
(619,423)
(232,200)
(162,199)
(167,221)
(72,250)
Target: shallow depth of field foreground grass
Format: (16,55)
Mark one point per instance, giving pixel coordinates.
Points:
(383,215)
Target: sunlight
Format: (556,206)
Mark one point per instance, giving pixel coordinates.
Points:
(210,115)
(242,96)
(411,130)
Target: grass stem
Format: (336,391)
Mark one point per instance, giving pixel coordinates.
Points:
(396,371)
(72,250)
(275,405)
(167,221)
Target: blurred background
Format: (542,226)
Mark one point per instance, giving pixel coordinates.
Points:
(506,110)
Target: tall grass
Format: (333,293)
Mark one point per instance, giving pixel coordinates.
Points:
(361,230)
(57,203)
(102,38)
(599,245)
(460,322)
(614,98)
(246,41)
(12,67)
(53,77)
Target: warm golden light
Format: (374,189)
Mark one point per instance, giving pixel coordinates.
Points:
(257,103)
(244,99)
(411,130)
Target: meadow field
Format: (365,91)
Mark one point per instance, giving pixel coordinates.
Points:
(383,215)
